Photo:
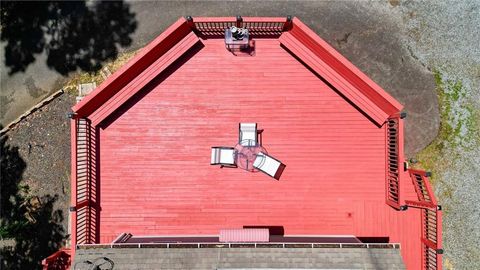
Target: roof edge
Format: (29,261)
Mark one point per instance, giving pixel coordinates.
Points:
(380,101)
(344,68)
(132,68)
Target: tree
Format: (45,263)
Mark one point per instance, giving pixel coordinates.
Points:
(74,35)
(30,221)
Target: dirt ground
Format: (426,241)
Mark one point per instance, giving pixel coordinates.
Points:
(43,141)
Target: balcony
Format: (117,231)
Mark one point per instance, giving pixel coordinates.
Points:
(141,144)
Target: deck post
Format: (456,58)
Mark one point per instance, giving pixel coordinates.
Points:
(190,22)
(288,24)
(239,21)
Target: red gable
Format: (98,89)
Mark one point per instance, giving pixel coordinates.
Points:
(301,41)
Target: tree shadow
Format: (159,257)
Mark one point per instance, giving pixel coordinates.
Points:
(74,34)
(30,221)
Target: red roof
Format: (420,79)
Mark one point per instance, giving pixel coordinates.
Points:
(324,61)
(155,120)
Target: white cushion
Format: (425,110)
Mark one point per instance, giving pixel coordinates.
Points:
(248,131)
(248,126)
(266,164)
(226,156)
(246,135)
(222,155)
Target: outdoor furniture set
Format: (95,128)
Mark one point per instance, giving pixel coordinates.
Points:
(248,154)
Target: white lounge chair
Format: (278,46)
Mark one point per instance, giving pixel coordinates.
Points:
(224,156)
(248,134)
(269,165)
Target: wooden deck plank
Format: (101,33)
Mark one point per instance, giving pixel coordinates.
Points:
(155,171)
(142,79)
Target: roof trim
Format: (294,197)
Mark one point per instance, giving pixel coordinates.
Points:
(173,34)
(150,73)
(347,79)
(300,40)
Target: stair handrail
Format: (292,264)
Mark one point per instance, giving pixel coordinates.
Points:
(431,238)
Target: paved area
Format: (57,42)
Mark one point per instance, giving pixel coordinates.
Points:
(369,34)
(21,91)
(243,258)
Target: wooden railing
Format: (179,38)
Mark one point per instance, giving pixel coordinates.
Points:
(242,245)
(215,27)
(84,186)
(431,220)
(432,239)
(426,197)
(394,161)
(59,260)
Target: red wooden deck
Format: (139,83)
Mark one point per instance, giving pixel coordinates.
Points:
(155,177)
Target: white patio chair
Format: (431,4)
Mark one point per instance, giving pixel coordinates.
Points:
(223,156)
(269,165)
(248,134)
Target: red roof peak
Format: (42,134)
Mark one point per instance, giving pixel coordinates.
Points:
(185,34)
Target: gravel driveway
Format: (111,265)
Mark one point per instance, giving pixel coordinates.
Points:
(443,36)
(43,141)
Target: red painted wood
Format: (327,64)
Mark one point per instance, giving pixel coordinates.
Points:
(324,70)
(59,260)
(143,59)
(345,68)
(439,239)
(147,75)
(421,204)
(426,182)
(244,235)
(155,177)
(429,243)
(73,185)
(403,181)
(234,19)
(214,19)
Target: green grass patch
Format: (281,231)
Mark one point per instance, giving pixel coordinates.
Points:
(459,127)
